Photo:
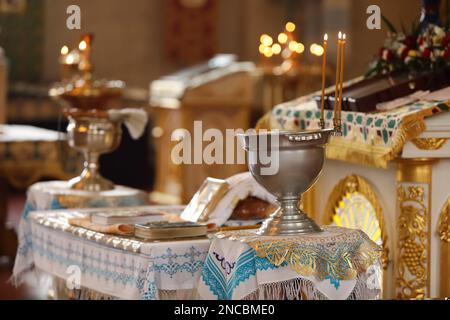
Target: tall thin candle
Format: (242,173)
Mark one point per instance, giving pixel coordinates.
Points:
(341,75)
(338,77)
(324,68)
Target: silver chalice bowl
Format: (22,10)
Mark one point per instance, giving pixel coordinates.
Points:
(287,164)
(93,136)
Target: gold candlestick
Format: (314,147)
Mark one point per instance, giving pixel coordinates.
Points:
(324,67)
(91,128)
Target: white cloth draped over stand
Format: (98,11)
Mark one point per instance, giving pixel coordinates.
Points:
(117,267)
(234,271)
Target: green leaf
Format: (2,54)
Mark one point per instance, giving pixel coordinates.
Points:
(388,24)
(371,72)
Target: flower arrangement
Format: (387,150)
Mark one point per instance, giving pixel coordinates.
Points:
(425,49)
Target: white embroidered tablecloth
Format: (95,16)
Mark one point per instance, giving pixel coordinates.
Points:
(326,269)
(53,195)
(115,266)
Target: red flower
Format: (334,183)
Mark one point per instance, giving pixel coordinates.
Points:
(426,53)
(447,53)
(420,41)
(410,41)
(404,52)
(387,54)
(446,40)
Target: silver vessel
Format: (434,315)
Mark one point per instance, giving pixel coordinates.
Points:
(298,158)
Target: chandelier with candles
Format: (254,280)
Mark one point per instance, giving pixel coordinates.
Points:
(289,49)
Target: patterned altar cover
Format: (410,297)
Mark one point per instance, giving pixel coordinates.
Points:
(338,263)
(371,139)
(53,195)
(118,267)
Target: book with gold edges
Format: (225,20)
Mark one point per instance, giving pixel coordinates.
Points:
(126,217)
(169,230)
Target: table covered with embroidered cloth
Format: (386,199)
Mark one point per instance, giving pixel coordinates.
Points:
(371,139)
(338,263)
(54,195)
(115,267)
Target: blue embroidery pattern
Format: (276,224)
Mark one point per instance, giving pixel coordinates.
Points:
(169,263)
(246,266)
(226,266)
(134,270)
(335,282)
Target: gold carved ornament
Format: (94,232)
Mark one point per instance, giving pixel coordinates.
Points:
(444,223)
(444,235)
(352,185)
(429,143)
(412,253)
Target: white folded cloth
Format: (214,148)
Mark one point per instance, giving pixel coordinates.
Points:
(134,119)
(242,185)
(402,101)
(438,96)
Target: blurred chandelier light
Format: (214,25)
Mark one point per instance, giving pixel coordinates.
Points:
(286,44)
(64,50)
(82,46)
(316,49)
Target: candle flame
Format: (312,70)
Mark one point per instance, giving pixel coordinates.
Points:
(292,45)
(325,37)
(316,49)
(340,35)
(83,45)
(70,60)
(261,48)
(344,36)
(268,52)
(276,49)
(300,48)
(266,40)
(290,27)
(64,50)
(282,38)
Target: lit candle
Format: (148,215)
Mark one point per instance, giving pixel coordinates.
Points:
(85,48)
(338,77)
(64,60)
(64,50)
(341,74)
(64,53)
(290,27)
(324,67)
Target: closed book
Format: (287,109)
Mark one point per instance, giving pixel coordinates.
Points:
(169,230)
(126,217)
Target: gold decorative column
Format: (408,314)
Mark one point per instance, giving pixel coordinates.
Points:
(444,235)
(412,258)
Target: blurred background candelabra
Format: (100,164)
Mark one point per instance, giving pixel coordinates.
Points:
(288,69)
